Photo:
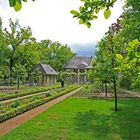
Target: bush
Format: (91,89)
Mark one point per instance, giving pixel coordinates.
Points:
(15,104)
(125,83)
(20,109)
(28,92)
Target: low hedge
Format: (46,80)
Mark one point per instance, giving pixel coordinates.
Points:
(24,108)
(15,95)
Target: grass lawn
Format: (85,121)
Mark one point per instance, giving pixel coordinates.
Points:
(83,119)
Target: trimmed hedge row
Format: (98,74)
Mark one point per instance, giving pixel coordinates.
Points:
(24,108)
(25,93)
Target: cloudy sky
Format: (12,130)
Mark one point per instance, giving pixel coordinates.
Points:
(51,19)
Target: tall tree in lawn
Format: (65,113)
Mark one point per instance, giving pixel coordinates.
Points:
(102,65)
(113,30)
(16,37)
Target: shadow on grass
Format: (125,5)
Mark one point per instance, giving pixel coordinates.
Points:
(121,125)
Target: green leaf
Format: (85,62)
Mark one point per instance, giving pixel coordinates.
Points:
(136,42)
(127,66)
(119,56)
(137,54)
(88,24)
(25,0)
(131,44)
(74,12)
(18,6)
(95,17)
(107,13)
(12,3)
(83,0)
(81,21)
(80,8)
(102,7)
(96,10)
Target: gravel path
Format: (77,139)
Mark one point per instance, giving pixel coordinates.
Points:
(132,93)
(10,124)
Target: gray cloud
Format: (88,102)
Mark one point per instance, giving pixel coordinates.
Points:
(87,49)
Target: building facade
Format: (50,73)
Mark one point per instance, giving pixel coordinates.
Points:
(77,69)
(46,75)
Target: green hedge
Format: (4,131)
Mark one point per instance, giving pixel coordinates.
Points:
(33,91)
(24,108)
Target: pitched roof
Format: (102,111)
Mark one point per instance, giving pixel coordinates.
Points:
(47,69)
(81,62)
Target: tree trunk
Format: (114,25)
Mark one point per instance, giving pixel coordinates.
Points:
(11,74)
(30,79)
(18,79)
(105,89)
(115,93)
(102,87)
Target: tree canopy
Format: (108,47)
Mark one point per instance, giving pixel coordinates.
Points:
(20,52)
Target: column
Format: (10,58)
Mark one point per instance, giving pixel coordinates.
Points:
(78,76)
(85,76)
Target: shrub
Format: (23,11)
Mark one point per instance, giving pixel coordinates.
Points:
(125,83)
(15,104)
(20,109)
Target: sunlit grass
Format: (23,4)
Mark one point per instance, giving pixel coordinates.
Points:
(83,119)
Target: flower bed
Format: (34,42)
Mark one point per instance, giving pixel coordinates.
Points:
(23,108)
(26,92)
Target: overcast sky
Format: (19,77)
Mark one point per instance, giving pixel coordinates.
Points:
(51,19)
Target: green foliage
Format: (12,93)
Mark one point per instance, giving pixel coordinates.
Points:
(90,9)
(20,53)
(125,83)
(136,83)
(124,44)
(119,57)
(17,4)
(30,105)
(29,91)
(52,54)
(15,104)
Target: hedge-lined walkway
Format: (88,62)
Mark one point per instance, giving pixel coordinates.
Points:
(8,125)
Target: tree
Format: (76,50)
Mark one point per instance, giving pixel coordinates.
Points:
(128,40)
(16,37)
(54,54)
(30,54)
(102,65)
(3,54)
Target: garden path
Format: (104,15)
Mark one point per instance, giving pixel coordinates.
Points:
(10,124)
(134,94)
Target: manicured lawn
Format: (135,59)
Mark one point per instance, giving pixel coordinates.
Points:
(83,119)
